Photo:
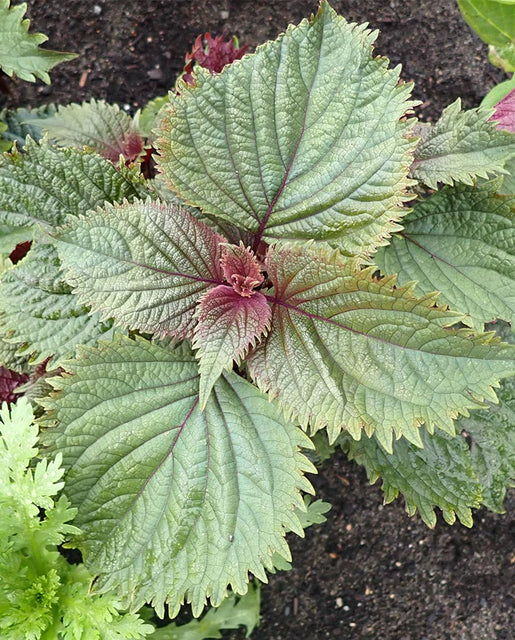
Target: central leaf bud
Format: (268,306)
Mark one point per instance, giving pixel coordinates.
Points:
(241,269)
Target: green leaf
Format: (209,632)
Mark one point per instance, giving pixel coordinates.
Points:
(20,53)
(22,122)
(461,241)
(145,264)
(44,184)
(5,145)
(37,308)
(460,146)
(493,446)
(492,20)
(174,503)
(303,139)
(508,185)
(151,116)
(315,512)
(231,614)
(503,57)
(438,475)
(348,351)
(98,127)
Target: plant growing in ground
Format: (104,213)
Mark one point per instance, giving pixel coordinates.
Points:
(247,290)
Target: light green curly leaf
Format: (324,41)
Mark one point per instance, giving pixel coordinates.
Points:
(20,53)
(462,145)
(493,446)
(347,351)
(440,474)
(144,264)
(305,138)
(461,241)
(42,596)
(97,126)
(174,503)
(38,309)
(44,184)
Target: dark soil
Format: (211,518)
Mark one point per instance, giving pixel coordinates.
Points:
(370,572)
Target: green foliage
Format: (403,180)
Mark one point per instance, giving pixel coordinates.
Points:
(314,513)
(231,614)
(5,145)
(493,446)
(497,93)
(349,351)
(20,123)
(320,152)
(98,126)
(174,503)
(38,189)
(150,117)
(447,472)
(460,240)
(440,474)
(41,595)
(461,146)
(294,163)
(35,302)
(20,53)
(42,185)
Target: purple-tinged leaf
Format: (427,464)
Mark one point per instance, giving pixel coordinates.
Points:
(9,382)
(348,351)
(20,251)
(241,269)
(228,324)
(505,112)
(95,125)
(213,56)
(144,264)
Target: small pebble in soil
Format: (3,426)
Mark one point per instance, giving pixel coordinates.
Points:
(339,603)
(97,9)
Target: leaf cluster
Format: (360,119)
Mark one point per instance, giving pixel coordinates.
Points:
(208,320)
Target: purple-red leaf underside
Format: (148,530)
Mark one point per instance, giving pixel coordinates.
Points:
(228,324)
(505,112)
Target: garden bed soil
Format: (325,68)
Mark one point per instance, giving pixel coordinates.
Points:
(370,572)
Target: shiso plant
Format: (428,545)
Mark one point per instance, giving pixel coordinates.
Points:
(207,326)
